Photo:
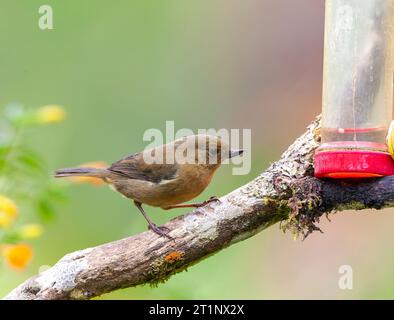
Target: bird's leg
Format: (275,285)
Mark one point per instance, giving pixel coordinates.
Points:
(193,205)
(161,231)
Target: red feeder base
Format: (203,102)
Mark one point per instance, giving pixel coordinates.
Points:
(342,164)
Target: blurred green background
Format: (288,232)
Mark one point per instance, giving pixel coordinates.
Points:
(121,67)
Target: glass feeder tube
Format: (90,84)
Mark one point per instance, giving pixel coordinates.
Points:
(357,89)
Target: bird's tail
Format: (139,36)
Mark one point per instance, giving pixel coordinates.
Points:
(80,172)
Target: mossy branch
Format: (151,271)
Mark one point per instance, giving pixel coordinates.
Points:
(286,192)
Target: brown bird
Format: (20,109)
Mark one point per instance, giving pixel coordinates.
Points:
(164,176)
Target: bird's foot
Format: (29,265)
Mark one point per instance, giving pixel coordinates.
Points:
(210,200)
(193,205)
(160,230)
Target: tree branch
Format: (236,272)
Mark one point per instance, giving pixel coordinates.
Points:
(285,192)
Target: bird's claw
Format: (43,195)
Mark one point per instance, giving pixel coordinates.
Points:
(211,199)
(214,199)
(160,230)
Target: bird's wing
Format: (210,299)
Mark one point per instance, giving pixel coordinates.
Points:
(134,167)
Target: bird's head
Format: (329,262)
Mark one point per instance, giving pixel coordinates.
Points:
(206,150)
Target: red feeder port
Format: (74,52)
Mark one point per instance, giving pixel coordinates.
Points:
(347,163)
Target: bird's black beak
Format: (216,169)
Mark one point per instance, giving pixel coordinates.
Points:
(234,153)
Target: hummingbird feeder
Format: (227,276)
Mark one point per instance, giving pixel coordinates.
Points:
(357,90)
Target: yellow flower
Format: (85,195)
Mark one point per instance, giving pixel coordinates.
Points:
(91,180)
(50,114)
(8,212)
(17,256)
(30,231)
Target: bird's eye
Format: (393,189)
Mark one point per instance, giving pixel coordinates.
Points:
(213,152)
(213,156)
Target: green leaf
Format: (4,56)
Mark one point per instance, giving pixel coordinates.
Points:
(31,161)
(45,210)
(11,237)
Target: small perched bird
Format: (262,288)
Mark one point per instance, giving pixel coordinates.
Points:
(165,176)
